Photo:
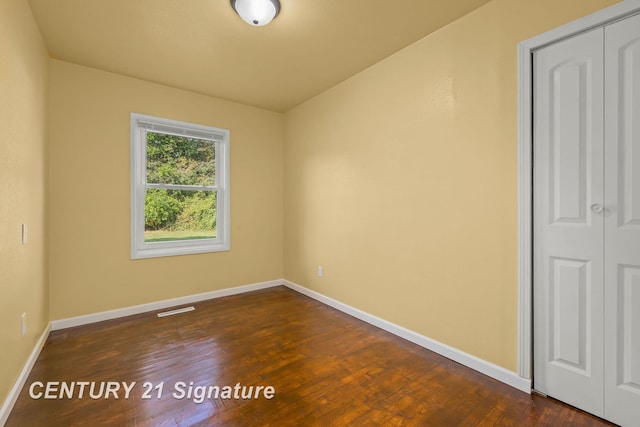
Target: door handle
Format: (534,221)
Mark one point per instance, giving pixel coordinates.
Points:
(597,208)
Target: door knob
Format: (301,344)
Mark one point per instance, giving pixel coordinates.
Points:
(597,208)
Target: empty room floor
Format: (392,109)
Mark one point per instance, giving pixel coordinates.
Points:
(268,357)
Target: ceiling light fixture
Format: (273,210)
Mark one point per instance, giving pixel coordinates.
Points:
(256,12)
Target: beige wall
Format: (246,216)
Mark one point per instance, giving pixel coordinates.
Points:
(89,182)
(23,188)
(402,181)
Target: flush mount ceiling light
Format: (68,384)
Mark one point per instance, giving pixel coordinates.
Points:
(256,12)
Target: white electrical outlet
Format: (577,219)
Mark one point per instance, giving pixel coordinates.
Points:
(23,324)
(320,271)
(24,234)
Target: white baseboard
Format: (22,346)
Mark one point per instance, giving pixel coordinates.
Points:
(487,368)
(22,378)
(158,305)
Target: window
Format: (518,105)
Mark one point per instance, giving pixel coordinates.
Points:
(179,188)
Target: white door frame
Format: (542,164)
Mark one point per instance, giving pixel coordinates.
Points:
(525,155)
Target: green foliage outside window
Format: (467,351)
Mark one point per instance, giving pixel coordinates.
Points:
(161,209)
(179,160)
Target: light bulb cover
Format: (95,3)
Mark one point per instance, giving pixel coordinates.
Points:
(256,12)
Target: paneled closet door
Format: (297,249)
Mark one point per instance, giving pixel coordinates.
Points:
(622,222)
(568,221)
(587,221)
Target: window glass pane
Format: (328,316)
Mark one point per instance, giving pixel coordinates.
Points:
(180,160)
(179,215)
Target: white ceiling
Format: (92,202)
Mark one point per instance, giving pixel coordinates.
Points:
(203,46)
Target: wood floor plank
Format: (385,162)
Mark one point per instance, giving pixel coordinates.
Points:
(327,368)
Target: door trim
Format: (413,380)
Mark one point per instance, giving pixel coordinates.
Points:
(525,165)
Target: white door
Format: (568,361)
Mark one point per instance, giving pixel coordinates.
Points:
(568,234)
(622,222)
(587,221)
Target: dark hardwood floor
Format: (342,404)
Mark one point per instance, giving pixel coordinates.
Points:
(327,369)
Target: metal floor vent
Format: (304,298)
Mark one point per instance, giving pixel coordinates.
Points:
(176,311)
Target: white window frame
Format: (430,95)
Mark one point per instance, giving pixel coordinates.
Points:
(140,124)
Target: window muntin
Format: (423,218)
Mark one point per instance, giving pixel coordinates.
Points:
(180,182)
